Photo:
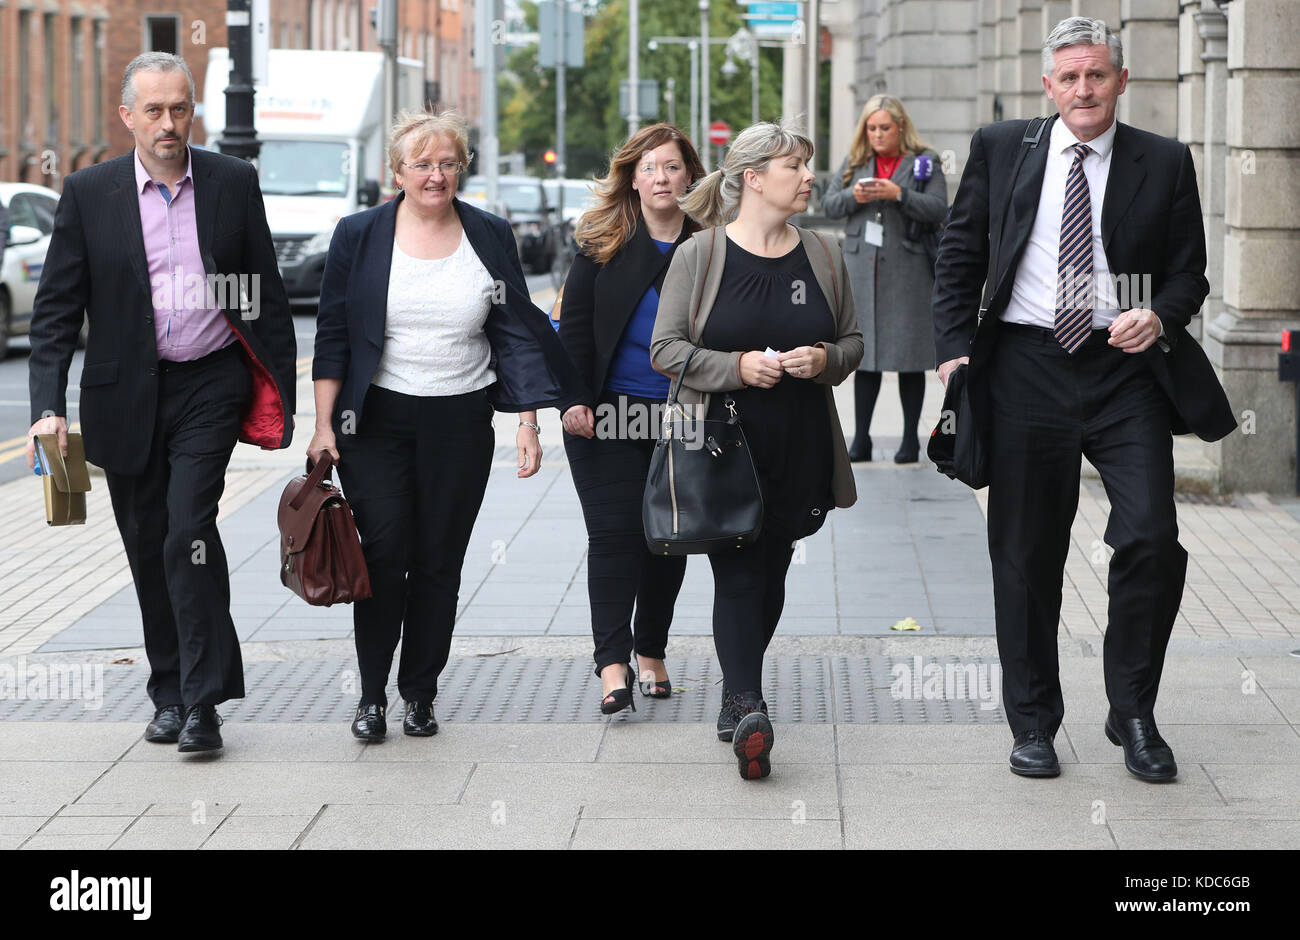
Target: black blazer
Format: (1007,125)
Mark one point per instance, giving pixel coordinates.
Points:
(96,263)
(600,299)
(532,369)
(1150,224)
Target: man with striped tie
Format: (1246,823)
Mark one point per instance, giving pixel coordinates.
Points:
(1083,238)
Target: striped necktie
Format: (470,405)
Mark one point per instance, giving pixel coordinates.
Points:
(1074,275)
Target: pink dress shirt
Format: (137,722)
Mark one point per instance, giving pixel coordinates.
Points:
(187,322)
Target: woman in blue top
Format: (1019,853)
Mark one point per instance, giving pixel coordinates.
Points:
(607,314)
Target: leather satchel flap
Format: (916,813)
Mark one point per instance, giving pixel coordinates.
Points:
(69,473)
(296,524)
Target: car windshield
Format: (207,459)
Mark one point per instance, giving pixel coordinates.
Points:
(303,168)
(521,197)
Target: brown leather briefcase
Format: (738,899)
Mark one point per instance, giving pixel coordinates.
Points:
(320,552)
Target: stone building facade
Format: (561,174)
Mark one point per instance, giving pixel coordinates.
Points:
(1221,75)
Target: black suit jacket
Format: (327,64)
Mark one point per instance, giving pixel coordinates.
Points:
(600,299)
(1150,223)
(96,263)
(531,367)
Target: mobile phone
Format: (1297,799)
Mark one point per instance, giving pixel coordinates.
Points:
(866,180)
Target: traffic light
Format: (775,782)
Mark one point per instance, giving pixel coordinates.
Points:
(549,156)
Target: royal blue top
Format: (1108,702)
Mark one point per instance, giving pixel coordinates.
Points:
(630,372)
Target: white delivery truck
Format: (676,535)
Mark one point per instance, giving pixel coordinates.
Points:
(319,118)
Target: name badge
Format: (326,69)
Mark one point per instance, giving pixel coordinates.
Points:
(874,234)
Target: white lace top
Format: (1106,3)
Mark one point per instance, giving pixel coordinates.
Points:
(434,342)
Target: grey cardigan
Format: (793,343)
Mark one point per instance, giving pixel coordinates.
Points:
(689,291)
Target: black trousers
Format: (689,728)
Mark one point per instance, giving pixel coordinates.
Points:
(609,474)
(414,475)
(748,597)
(168,519)
(1048,408)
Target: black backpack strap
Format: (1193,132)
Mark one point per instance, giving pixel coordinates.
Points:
(1033,137)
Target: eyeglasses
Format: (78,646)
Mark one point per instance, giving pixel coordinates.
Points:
(448,168)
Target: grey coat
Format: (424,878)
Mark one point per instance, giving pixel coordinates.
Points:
(891,283)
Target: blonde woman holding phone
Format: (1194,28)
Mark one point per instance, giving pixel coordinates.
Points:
(889,179)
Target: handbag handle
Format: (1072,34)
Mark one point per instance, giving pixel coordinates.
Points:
(677,382)
(315,474)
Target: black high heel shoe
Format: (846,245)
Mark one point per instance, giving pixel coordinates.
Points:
(909,451)
(657,688)
(619,698)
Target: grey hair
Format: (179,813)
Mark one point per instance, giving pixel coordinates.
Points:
(152,62)
(716,198)
(1081,31)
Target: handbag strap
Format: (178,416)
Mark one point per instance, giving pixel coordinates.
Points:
(315,474)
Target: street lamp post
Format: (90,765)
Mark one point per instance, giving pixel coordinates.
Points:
(705,150)
(239,139)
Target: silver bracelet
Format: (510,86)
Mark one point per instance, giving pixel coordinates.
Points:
(529,424)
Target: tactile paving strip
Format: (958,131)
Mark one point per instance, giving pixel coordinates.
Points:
(855,690)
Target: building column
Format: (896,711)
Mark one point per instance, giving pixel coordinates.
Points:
(1261,253)
(839,18)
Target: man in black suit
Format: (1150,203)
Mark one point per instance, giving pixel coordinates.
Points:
(1090,249)
(190,348)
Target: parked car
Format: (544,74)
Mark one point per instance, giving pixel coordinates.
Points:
(31,220)
(531,217)
(578,198)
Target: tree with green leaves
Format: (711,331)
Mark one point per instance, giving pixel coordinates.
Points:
(593,122)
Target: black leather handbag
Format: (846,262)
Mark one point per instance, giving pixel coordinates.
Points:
(702,490)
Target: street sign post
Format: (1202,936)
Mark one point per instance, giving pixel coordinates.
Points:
(719,133)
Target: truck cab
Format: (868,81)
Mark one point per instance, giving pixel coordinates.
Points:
(319,118)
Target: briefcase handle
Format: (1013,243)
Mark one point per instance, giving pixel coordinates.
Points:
(316,472)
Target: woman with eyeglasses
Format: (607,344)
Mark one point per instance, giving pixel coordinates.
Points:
(424,329)
(611,296)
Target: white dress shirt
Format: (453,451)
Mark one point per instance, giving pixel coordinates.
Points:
(1033,293)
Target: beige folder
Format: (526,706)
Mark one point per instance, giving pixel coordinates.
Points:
(66,479)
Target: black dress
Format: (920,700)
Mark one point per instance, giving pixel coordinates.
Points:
(776,302)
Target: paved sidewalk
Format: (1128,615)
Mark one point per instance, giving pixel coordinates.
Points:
(884,739)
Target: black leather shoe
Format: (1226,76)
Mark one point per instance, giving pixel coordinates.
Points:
(729,714)
(202,729)
(1146,755)
(370,724)
(1033,755)
(419,721)
(752,741)
(860,452)
(166,725)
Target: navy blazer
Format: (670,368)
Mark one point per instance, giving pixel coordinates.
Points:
(532,369)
